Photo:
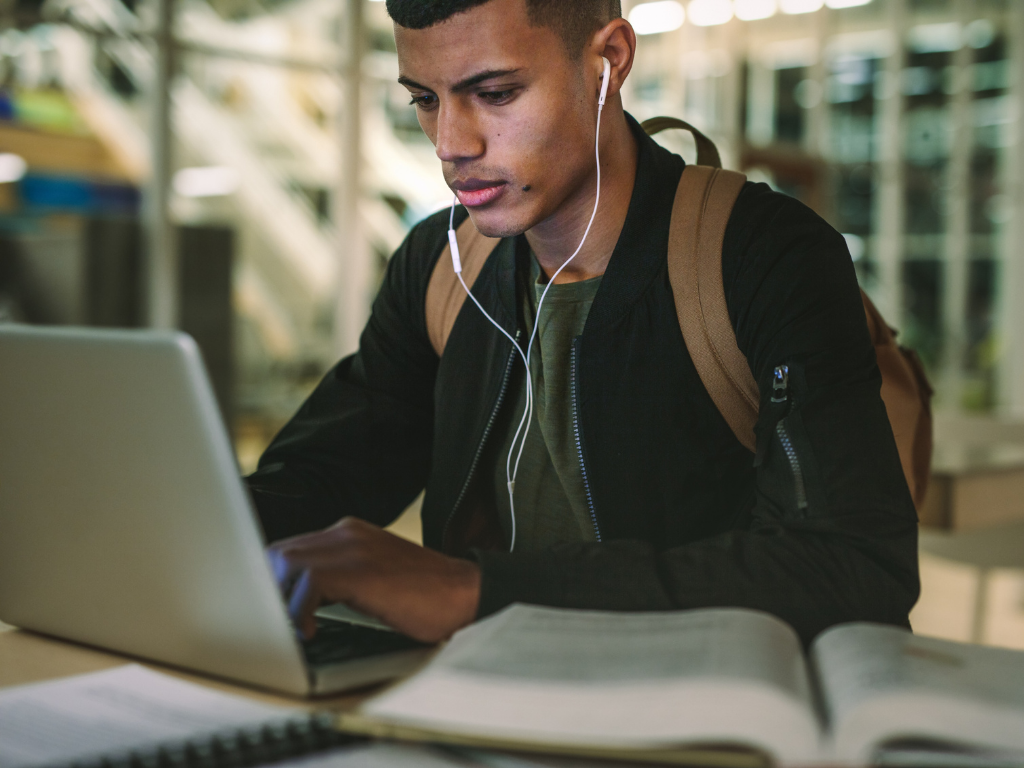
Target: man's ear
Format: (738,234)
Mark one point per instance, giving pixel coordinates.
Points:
(615,41)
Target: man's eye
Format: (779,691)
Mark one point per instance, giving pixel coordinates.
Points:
(498,97)
(425,101)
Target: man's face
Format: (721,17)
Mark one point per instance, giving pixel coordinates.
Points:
(506,108)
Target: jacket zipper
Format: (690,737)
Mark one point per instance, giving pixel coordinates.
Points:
(574,395)
(794,463)
(780,394)
(483,440)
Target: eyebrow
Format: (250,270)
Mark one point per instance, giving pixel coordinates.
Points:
(462,85)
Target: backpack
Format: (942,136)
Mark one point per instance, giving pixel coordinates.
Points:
(700,213)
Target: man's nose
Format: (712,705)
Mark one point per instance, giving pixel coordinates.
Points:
(458,135)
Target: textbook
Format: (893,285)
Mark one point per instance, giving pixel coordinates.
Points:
(723,686)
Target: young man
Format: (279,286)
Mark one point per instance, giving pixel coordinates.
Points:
(633,493)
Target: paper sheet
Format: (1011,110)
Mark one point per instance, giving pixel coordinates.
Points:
(389,755)
(111,711)
(378,756)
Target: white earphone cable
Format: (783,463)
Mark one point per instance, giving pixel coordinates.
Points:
(512,470)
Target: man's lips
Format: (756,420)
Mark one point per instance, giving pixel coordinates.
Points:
(475,192)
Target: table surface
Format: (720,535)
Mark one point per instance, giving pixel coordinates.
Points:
(26,657)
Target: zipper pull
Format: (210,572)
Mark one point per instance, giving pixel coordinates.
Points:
(780,384)
(780,394)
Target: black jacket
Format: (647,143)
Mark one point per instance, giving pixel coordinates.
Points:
(686,516)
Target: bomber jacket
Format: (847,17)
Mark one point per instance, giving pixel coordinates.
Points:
(818,527)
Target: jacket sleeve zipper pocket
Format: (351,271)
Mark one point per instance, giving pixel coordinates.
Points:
(780,394)
(794,464)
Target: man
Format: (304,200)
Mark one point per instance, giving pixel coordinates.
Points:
(633,493)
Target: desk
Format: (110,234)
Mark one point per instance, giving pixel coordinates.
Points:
(26,657)
(975,485)
(977,474)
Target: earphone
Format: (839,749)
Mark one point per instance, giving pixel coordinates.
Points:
(511,470)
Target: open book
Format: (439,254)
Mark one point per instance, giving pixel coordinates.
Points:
(713,686)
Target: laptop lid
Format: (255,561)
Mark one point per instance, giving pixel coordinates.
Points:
(123,521)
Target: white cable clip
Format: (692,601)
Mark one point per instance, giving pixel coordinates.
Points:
(453,243)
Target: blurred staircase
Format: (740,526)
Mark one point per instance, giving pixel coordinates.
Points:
(273,128)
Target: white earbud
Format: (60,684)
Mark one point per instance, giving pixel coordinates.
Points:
(511,470)
(604,81)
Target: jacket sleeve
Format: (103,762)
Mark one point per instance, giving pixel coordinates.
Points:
(360,444)
(832,536)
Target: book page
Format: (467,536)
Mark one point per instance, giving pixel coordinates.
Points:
(113,711)
(618,679)
(882,683)
(533,643)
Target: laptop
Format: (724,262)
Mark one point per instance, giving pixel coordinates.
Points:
(124,523)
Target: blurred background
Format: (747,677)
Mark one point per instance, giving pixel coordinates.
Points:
(243,169)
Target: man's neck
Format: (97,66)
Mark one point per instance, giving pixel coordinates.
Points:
(556,238)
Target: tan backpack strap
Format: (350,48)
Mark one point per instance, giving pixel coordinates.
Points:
(703,204)
(707,152)
(445,295)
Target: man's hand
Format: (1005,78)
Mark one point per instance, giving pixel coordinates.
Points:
(418,591)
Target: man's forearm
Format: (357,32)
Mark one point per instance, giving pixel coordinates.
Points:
(282,516)
(810,581)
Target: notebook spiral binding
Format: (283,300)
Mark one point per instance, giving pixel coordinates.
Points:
(236,748)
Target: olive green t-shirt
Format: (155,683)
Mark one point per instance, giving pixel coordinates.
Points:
(550,500)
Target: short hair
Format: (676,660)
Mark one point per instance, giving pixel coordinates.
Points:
(573,20)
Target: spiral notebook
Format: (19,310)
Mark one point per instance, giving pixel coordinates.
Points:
(134,717)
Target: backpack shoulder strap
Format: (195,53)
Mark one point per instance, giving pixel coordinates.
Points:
(700,213)
(707,152)
(445,296)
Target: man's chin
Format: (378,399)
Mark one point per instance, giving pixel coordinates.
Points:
(497,224)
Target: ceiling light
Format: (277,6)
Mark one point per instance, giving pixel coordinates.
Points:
(935,38)
(212,181)
(12,167)
(845,3)
(653,18)
(980,33)
(801,6)
(752,10)
(707,13)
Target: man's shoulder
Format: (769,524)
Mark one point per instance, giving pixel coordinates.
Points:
(429,235)
(419,253)
(413,263)
(759,207)
(781,263)
(771,230)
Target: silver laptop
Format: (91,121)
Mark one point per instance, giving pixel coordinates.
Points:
(124,523)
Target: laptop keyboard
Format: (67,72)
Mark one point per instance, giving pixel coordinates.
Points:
(338,641)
